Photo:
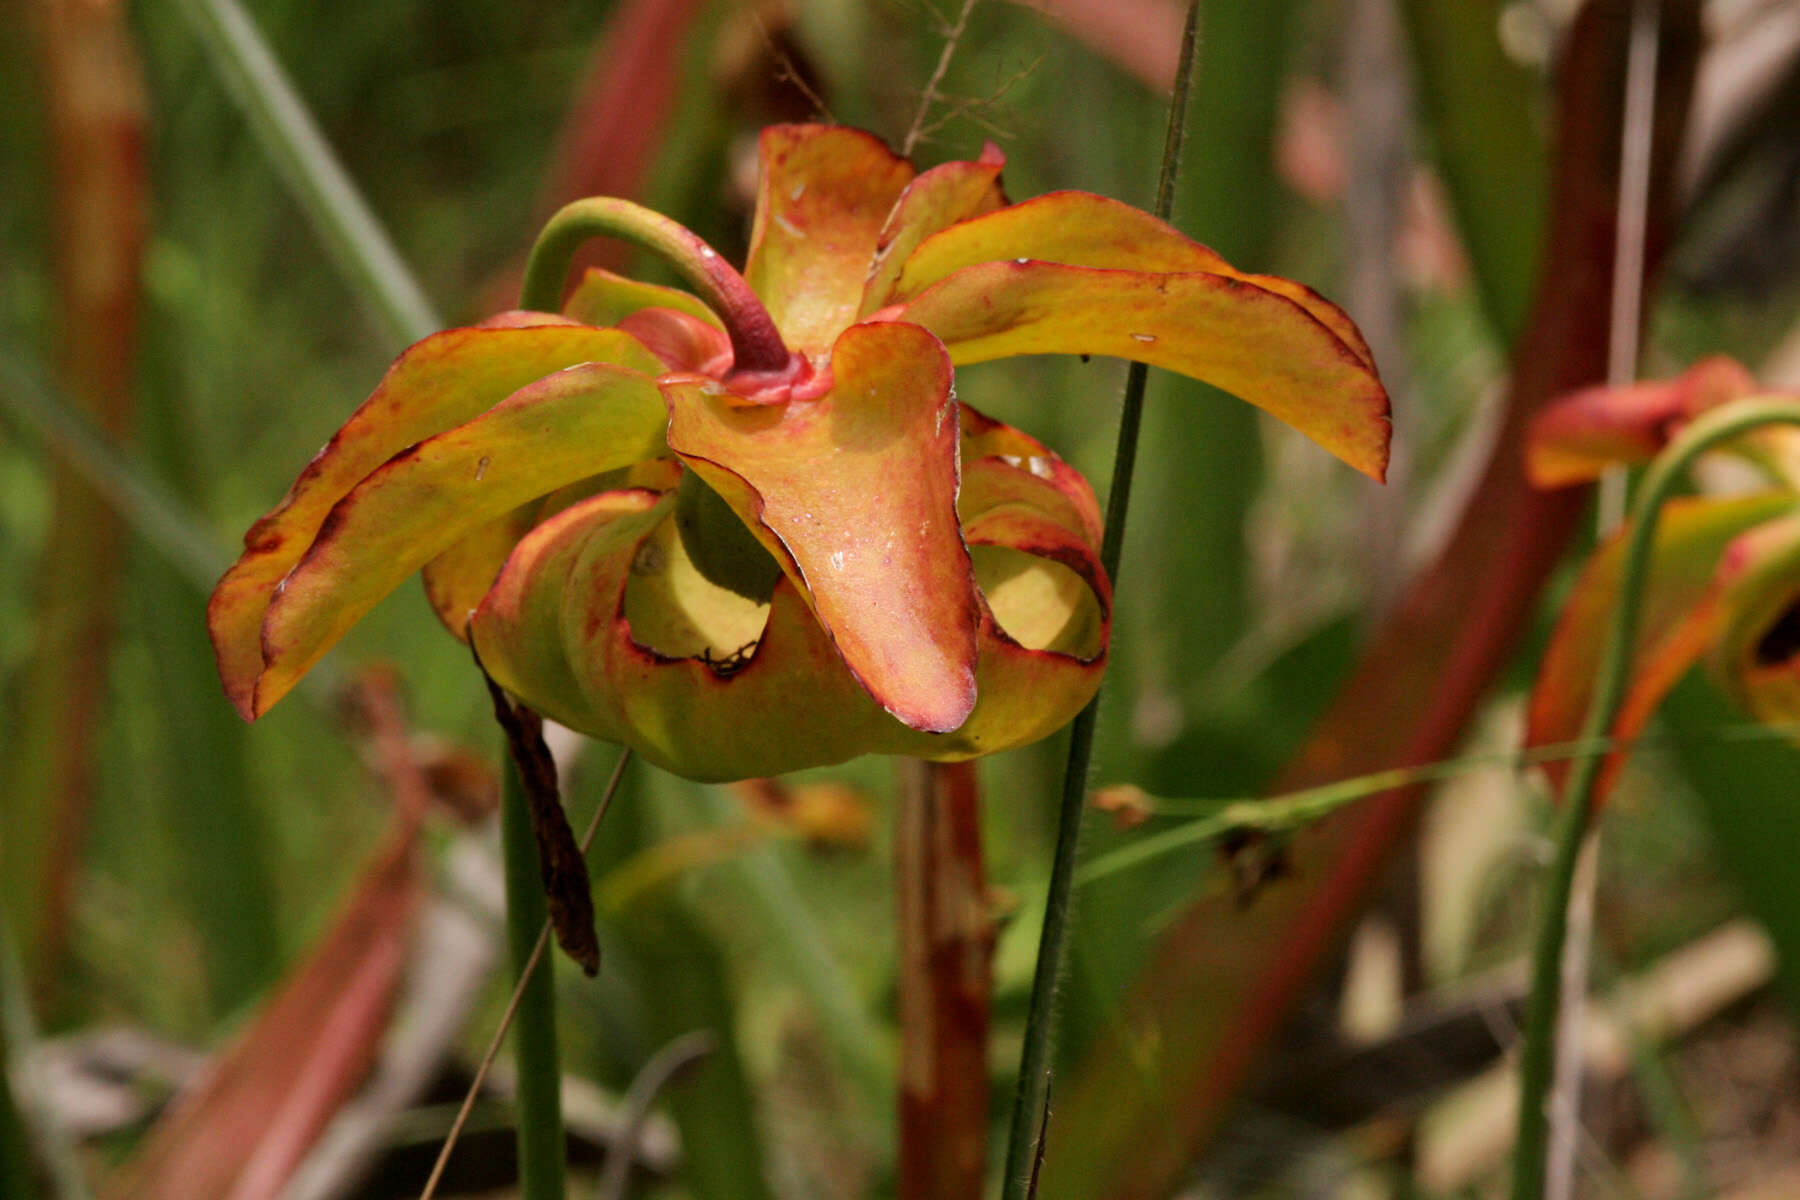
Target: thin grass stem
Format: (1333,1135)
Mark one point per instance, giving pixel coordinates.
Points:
(280,120)
(1032,1097)
(525,975)
(1537,1060)
(1215,817)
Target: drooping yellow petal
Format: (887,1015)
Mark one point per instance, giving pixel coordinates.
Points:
(936,200)
(1081,229)
(824,196)
(854,493)
(555,631)
(595,623)
(572,424)
(1676,625)
(1257,345)
(441,382)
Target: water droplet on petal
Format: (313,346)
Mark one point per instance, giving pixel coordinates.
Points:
(1145,338)
(788,227)
(1021,261)
(837,560)
(481,468)
(1040,466)
(798,191)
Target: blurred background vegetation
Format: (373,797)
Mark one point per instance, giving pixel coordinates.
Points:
(166,866)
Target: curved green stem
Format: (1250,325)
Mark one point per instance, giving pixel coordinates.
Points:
(1537,1060)
(1024,1149)
(755,342)
(540,1133)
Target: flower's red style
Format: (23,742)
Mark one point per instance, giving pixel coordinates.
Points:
(751,529)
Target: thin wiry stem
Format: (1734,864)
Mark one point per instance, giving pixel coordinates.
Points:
(1292,810)
(937,76)
(1635,153)
(1032,1099)
(1536,1062)
(513,1001)
(657,1074)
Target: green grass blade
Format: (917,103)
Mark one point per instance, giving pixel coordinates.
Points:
(280,119)
(150,506)
(1031,1101)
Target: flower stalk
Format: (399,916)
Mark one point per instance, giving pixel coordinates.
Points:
(756,344)
(1031,1102)
(540,1131)
(1537,1060)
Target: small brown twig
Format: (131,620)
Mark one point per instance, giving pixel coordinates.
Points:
(512,1003)
(937,77)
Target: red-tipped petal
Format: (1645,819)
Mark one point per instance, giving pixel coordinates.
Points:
(938,199)
(441,382)
(824,196)
(1260,346)
(1081,229)
(1578,437)
(573,424)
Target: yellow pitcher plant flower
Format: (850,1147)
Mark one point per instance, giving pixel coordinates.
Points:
(748,528)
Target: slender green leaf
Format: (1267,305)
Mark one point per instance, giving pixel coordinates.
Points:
(1484,109)
(280,119)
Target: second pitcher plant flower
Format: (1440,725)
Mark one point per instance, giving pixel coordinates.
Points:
(749,528)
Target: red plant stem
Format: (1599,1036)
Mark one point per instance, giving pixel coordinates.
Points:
(1214,993)
(95,115)
(946,983)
